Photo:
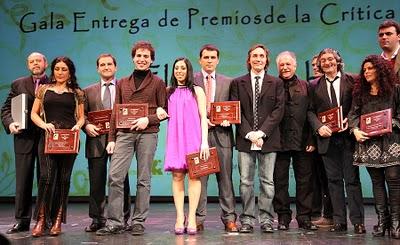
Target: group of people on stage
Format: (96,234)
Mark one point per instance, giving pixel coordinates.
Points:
(279,125)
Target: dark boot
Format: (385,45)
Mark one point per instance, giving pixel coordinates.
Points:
(56,228)
(395,229)
(40,226)
(382,226)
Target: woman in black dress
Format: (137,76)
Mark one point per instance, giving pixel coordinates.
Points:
(57,105)
(378,89)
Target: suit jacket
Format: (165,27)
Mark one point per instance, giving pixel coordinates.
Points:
(270,111)
(223,134)
(23,142)
(95,146)
(397,66)
(320,102)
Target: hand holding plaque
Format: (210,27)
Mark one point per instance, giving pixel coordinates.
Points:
(377,123)
(125,114)
(199,167)
(225,110)
(100,119)
(62,141)
(332,118)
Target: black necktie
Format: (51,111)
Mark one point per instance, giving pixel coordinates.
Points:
(333,94)
(107,96)
(256,98)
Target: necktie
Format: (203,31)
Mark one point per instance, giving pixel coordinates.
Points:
(107,96)
(256,99)
(37,82)
(333,93)
(208,92)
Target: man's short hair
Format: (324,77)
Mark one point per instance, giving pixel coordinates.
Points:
(390,23)
(106,55)
(143,45)
(209,47)
(289,53)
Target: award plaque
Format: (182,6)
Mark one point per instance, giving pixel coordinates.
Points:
(377,123)
(100,119)
(19,110)
(226,110)
(332,118)
(62,141)
(125,114)
(199,167)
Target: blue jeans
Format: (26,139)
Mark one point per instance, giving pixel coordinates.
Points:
(247,167)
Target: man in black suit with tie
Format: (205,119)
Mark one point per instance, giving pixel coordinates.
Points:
(261,99)
(216,87)
(334,89)
(101,96)
(25,140)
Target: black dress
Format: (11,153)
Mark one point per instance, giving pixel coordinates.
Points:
(378,151)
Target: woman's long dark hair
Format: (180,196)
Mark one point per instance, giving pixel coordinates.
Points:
(385,77)
(72,83)
(189,83)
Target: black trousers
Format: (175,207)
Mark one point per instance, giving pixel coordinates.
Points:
(380,177)
(302,166)
(321,204)
(341,172)
(98,181)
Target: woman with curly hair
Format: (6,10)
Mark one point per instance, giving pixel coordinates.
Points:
(377,89)
(61,105)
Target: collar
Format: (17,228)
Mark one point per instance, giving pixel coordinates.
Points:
(104,82)
(393,55)
(205,74)
(338,76)
(261,75)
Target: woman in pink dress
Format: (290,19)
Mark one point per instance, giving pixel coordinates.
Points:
(187,133)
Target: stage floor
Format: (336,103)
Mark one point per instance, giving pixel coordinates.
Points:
(159,230)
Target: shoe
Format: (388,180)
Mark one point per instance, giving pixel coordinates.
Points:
(267,228)
(18,227)
(230,226)
(191,231)
(109,230)
(40,226)
(338,228)
(246,228)
(200,227)
(137,230)
(283,226)
(56,228)
(93,227)
(307,225)
(323,222)
(359,229)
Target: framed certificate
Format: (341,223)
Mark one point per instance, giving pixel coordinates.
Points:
(332,118)
(199,167)
(100,119)
(62,141)
(19,110)
(377,123)
(125,114)
(226,110)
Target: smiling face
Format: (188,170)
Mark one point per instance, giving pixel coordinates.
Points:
(37,64)
(258,60)
(329,64)
(286,66)
(142,59)
(61,72)
(106,68)
(180,72)
(369,72)
(209,60)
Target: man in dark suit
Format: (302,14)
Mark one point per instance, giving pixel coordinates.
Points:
(261,99)
(100,96)
(297,145)
(216,87)
(334,89)
(25,140)
(389,41)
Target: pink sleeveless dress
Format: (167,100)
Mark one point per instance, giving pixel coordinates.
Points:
(183,130)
